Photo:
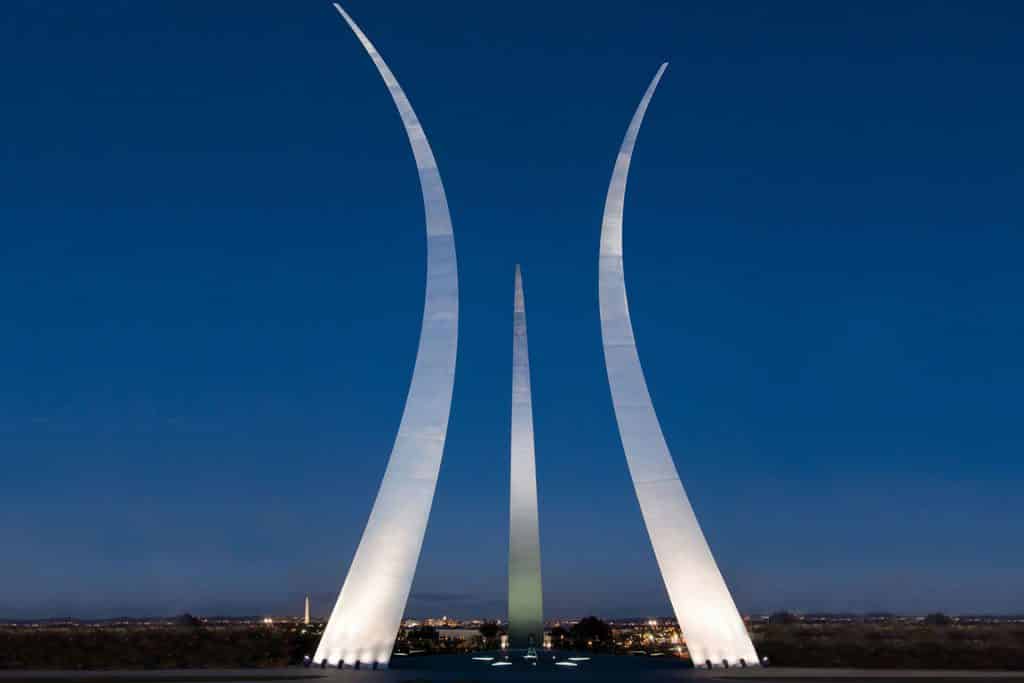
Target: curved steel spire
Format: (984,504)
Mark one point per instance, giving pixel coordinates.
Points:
(711,625)
(365,620)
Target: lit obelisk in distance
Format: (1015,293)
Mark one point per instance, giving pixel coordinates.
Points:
(714,631)
(525,598)
(365,619)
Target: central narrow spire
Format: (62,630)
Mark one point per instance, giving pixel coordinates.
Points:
(525,598)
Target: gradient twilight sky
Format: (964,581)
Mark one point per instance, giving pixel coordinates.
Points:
(212,264)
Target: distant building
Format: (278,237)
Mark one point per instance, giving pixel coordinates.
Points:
(461,634)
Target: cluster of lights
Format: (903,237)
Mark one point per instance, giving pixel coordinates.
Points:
(571,662)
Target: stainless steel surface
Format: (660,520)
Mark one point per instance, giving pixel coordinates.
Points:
(367,615)
(525,597)
(711,625)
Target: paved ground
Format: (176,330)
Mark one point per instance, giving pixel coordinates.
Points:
(853,675)
(598,669)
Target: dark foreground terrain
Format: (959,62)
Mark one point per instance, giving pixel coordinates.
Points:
(893,645)
(195,645)
(597,674)
(165,647)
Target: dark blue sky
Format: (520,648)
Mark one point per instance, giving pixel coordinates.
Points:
(212,259)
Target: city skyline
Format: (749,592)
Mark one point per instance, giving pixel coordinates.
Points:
(214,268)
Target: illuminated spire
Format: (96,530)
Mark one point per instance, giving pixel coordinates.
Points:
(525,598)
(712,627)
(365,620)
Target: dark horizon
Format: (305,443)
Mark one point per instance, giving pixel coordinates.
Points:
(547,620)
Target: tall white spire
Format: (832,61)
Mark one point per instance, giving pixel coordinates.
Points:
(367,615)
(713,629)
(525,597)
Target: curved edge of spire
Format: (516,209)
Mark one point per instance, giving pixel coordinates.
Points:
(367,615)
(711,624)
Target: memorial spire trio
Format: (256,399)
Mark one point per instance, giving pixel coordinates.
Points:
(366,618)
